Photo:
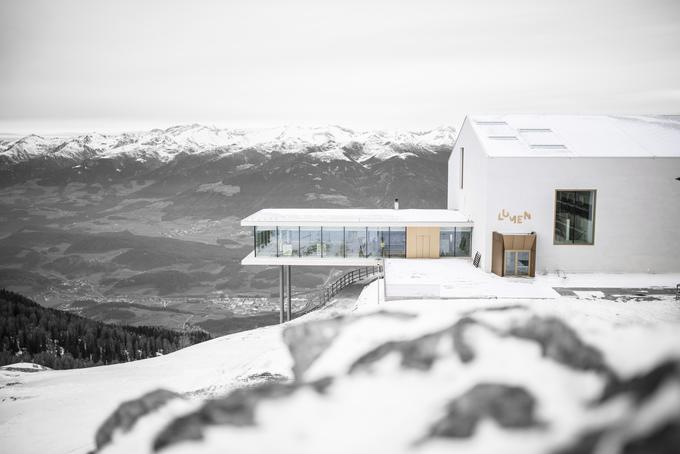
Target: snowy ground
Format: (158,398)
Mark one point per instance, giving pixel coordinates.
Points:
(455,278)
(385,406)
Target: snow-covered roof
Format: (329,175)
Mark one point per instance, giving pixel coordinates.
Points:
(578,135)
(355,217)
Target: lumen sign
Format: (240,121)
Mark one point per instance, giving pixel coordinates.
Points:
(518,218)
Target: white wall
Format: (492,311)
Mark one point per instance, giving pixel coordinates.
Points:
(471,200)
(637,214)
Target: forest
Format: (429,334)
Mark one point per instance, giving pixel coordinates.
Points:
(61,340)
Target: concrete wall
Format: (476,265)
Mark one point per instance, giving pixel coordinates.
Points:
(471,200)
(637,212)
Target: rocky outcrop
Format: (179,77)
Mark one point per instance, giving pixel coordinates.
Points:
(395,382)
(128,413)
(511,407)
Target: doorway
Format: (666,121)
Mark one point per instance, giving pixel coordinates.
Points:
(517,263)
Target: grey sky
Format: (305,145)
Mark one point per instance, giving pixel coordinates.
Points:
(84,65)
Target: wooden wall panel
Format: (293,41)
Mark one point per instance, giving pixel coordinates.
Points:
(427,247)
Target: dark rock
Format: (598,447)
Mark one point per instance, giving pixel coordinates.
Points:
(462,348)
(307,341)
(665,440)
(642,386)
(511,407)
(128,413)
(418,353)
(237,409)
(561,343)
(586,444)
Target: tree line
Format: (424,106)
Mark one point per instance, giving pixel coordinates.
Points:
(61,340)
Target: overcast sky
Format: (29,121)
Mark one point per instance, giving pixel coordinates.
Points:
(85,65)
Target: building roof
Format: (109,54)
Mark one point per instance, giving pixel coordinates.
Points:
(355,217)
(578,135)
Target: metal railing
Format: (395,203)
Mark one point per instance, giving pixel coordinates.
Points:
(344,281)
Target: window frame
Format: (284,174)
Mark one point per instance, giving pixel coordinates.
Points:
(594,191)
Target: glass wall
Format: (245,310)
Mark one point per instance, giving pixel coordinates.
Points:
(351,242)
(310,241)
(355,242)
(397,242)
(463,241)
(574,217)
(333,242)
(265,241)
(289,241)
(377,240)
(455,241)
(447,242)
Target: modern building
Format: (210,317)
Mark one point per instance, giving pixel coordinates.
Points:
(355,237)
(571,193)
(526,194)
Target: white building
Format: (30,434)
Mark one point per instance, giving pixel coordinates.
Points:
(599,193)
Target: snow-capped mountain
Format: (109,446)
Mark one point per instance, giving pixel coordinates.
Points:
(326,143)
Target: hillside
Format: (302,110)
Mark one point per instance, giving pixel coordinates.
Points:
(537,376)
(60,340)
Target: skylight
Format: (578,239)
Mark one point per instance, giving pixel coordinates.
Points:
(542,139)
(497,130)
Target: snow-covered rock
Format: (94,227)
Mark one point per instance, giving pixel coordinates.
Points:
(561,375)
(325,143)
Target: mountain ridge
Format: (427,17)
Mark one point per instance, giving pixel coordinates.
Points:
(326,143)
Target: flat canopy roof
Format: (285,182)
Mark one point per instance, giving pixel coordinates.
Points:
(355,217)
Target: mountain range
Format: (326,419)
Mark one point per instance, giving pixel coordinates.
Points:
(163,145)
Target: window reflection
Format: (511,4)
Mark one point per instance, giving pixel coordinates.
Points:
(289,241)
(377,242)
(333,242)
(310,241)
(265,241)
(355,242)
(397,243)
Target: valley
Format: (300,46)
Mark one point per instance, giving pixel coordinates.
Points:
(145,229)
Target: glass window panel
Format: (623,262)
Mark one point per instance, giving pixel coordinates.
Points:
(289,239)
(574,217)
(265,241)
(310,241)
(377,242)
(463,241)
(523,263)
(333,242)
(355,242)
(397,243)
(510,262)
(447,241)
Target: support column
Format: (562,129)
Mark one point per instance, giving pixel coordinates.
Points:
(290,293)
(281,295)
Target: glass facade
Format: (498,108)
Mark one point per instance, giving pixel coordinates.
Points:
(310,242)
(289,241)
(265,241)
(574,217)
(353,242)
(333,242)
(397,242)
(455,241)
(377,239)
